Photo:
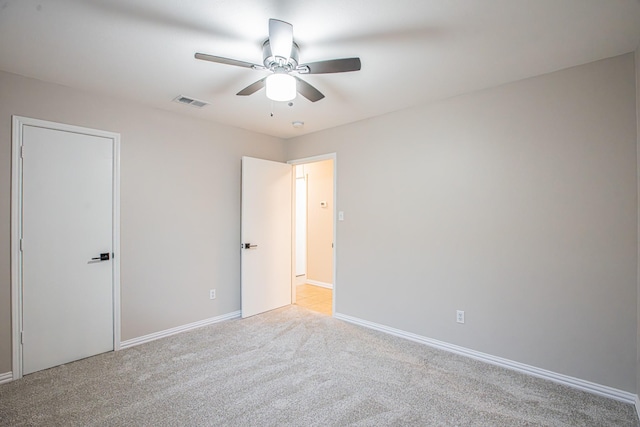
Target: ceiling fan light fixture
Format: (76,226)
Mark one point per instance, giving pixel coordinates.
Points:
(281,87)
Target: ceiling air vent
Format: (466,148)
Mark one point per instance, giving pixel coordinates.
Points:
(190,101)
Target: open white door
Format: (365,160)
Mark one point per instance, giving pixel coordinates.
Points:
(265,236)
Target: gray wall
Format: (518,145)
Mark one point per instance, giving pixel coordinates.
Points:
(516,204)
(180,204)
(637,57)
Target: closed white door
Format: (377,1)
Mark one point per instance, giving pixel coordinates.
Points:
(67,222)
(265,235)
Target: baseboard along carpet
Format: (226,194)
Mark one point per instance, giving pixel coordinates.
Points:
(295,367)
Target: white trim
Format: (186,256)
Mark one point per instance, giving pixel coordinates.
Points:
(573,382)
(184,328)
(321,284)
(116,242)
(638,406)
(334,157)
(16,271)
(312,159)
(6,377)
(18,123)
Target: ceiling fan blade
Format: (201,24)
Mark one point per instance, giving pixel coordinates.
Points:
(331,66)
(227,61)
(308,91)
(280,38)
(252,88)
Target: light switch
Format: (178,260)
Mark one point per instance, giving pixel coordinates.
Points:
(341,216)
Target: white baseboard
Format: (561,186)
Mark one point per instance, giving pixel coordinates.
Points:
(168,332)
(321,284)
(587,386)
(638,406)
(6,377)
(300,280)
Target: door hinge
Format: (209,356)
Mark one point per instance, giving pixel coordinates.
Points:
(22,337)
(22,151)
(21,244)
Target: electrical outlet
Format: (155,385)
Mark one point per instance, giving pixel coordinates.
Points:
(212,294)
(460,316)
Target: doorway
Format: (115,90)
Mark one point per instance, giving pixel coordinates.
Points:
(65,238)
(314,233)
(268,236)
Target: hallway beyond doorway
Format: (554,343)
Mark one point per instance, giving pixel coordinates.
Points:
(314,298)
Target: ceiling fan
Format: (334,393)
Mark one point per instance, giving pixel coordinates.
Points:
(280,57)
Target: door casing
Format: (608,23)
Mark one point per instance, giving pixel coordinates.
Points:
(16,227)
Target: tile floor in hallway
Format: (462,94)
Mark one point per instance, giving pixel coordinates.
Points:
(314,298)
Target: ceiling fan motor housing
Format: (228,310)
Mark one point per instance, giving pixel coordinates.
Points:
(272,62)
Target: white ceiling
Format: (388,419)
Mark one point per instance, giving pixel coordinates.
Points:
(412,51)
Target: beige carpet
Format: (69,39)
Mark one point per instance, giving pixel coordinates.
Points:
(294,367)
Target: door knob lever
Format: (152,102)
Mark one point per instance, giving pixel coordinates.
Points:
(248,246)
(102,257)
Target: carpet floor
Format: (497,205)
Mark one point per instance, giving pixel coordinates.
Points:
(294,367)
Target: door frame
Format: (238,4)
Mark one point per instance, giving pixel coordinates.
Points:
(18,123)
(329,156)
